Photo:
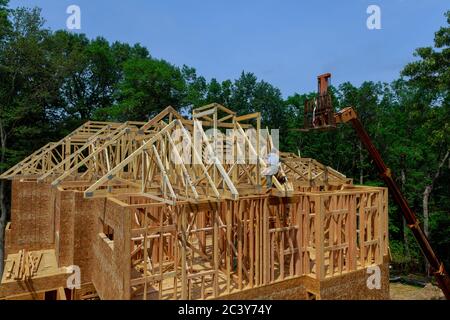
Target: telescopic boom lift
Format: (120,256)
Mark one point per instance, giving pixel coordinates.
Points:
(319,114)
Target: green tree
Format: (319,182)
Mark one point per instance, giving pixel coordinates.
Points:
(429,78)
(5,28)
(196,89)
(28,91)
(148,86)
(243,92)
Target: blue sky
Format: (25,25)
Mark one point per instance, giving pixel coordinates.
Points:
(287,43)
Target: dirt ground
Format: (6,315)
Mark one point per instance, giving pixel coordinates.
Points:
(401,291)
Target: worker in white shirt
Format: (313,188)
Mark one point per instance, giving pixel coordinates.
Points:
(273,163)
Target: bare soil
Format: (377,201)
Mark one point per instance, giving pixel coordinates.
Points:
(401,291)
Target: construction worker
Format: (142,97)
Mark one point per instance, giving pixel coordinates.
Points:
(273,163)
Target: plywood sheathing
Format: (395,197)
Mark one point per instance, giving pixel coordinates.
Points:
(357,285)
(75,229)
(85,232)
(351,286)
(290,289)
(32,221)
(111,268)
(64,213)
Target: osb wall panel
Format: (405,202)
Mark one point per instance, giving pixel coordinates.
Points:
(85,232)
(65,217)
(75,230)
(111,271)
(291,289)
(353,286)
(32,220)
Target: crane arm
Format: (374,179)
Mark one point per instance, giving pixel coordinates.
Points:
(438,269)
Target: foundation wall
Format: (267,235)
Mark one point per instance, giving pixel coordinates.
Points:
(349,286)
(299,288)
(354,285)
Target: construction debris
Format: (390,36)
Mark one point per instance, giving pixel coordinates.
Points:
(24,267)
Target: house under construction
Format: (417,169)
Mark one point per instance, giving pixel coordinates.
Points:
(174,208)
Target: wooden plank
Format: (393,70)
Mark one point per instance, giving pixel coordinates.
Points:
(10,270)
(319,234)
(216,252)
(61,294)
(145,255)
(257,243)
(229,253)
(362,224)
(153,229)
(252,242)
(184,280)
(160,251)
(300,230)
(380,224)
(176,244)
(245,257)
(207,106)
(240,235)
(230,116)
(204,113)
(248,116)
(266,244)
